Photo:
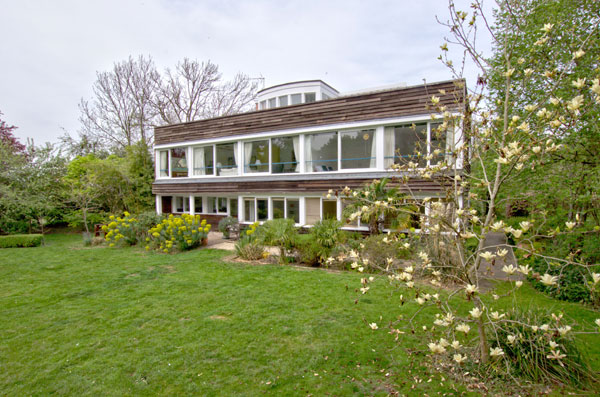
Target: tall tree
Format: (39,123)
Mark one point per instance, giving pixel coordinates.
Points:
(134,97)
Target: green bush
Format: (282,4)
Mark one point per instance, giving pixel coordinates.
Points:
(225,224)
(249,247)
(279,233)
(308,250)
(328,233)
(21,240)
(530,353)
(379,247)
(183,232)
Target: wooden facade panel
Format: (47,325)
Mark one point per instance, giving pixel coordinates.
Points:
(304,186)
(363,107)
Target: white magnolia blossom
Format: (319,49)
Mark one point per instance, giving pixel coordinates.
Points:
(564,330)
(373,326)
(596,278)
(496,315)
(455,345)
(556,355)
(517,233)
(509,269)
(578,54)
(597,322)
(524,269)
(548,280)
(487,255)
(471,289)
(511,339)
(575,103)
(459,358)
(498,225)
(475,312)
(525,225)
(502,253)
(436,348)
(579,83)
(496,352)
(518,284)
(553,345)
(570,225)
(462,327)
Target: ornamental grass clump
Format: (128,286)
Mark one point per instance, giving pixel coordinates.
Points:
(181,233)
(249,247)
(122,230)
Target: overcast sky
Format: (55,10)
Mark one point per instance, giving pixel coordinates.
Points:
(51,50)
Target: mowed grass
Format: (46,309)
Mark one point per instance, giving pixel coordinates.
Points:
(101,321)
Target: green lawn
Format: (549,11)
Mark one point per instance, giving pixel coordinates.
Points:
(103,321)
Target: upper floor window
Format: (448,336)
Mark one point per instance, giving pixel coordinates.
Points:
(285,153)
(262,105)
(296,98)
(179,167)
(283,100)
(163,161)
(405,143)
(272,103)
(203,161)
(310,97)
(358,149)
(256,156)
(416,143)
(227,159)
(321,152)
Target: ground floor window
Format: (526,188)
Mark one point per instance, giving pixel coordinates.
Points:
(198,205)
(233,207)
(216,205)
(181,204)
(249,213)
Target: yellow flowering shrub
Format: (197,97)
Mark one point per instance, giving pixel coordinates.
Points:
(124,230)
(178,232)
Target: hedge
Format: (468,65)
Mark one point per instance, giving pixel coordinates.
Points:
(21,240)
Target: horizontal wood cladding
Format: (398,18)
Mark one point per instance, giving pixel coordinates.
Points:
(293,187)
(363,107)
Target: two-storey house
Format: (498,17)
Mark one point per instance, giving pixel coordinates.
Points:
(303,139)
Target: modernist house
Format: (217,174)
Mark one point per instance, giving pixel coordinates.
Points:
(304,139)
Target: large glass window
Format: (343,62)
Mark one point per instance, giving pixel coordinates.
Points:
(164,162)
(283,100)
(438,143)
(312,211)
(198,205)
(346,215)
(216,205)
(321,151)
(227,159)
(278,208)
(310,97)
(358,149)
(296,98)
(256,156)
(406,143)
(262,105)
(182,204)
(272,102)
(233,207)
(285,152)
(329,209)
(179,167)
(262,209)
(293,209)
(249,215)
(203,161)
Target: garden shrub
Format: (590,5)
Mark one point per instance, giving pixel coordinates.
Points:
(536,354)
(279,233)
(21,240)
(225,224)
(183,232)
(379,247)
(328,233)
(308,250)
(249,247)
(124,229)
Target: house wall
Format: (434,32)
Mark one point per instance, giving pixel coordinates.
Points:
(377,105)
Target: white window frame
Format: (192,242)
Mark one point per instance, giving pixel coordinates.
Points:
(185,202)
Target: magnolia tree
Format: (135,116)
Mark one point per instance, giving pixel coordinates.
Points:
(502,137)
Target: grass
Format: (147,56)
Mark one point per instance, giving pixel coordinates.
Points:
(101,321)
